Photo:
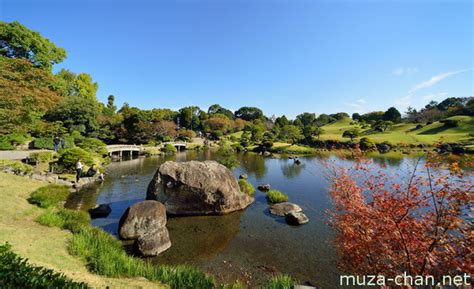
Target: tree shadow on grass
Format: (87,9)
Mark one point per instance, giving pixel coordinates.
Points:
(435,130)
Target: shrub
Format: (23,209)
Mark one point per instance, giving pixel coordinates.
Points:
(49,196)
(43,143)
(68,158)
(16,167)
(93,145)
(226,155)
(275,196)
(367,144)
(169,149)
(41,157)
(246,187)
(238,147)
(9,141)
(16,272)
(450,122)
(217,134)
(280,282)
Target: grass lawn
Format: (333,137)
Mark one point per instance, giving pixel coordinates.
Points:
(406,133)
(289,148)
(45,246)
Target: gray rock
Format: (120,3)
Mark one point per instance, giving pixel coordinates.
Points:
(282,209)
(264,188)
(243,176)
(100,211)
(197,188)
(145,222)
(296,218)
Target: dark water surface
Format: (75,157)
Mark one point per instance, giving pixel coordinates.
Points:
(249,245)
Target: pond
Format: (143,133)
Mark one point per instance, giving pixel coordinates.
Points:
(250,245)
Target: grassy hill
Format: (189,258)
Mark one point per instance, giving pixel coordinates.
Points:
(407,132)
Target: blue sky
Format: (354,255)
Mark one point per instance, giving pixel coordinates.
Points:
(285,57)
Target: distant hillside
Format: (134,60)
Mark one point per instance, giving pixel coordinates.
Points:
(407,132)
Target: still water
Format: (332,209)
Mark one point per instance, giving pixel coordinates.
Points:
(250,245)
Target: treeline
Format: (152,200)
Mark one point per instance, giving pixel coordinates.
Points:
(36,103)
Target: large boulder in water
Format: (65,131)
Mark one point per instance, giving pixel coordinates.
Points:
(197,188)
(145,222)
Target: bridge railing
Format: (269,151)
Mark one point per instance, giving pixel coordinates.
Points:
(124,147)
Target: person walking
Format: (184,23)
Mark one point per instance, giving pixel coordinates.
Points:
(79,167)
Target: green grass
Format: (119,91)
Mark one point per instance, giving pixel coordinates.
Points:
(16,272)
(280,282)
(246,187)
(291,149)
(104,254)
(49,196)
(275,196)
(405,133)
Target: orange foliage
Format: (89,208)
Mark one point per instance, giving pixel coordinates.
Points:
(419,226)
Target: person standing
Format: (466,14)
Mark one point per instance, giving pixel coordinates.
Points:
(56,142)
(79,167)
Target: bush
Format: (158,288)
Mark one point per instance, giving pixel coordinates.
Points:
(41,157)
(450,122)
(367,144)
(9,141)
(49,196)
(280,282)
(238,147)
(16,167)
(65,219)
(246,187)
(43,143)
(169,149)
(16,272)
(69,157)
(275,196)
(93,145)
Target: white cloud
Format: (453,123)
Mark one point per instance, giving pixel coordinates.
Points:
(358,105)
(435,79)
(434,96)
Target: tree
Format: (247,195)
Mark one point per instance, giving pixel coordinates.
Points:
(323,119)
(80,85)
(17,41)
(26,93)
(311,131)
(386,225)
(111,108)
(382,125)
(78,114)
(292,133)
(281,121)
(217,109)
(393,115)
(306,118)
(189,117)
(356,116)
(351,133)
(218,122)
(249,113)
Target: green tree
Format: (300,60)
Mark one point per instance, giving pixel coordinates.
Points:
(26,93)
(217,109)
(351,133)
(382,125)
(80,85)
(77,114)
(306,118)
(291,133)
(249,113)
(189,117)
(17,41)
(281,121)
(393,115)
(111,108)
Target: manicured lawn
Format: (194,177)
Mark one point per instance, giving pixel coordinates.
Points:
(45,246)
(406,133)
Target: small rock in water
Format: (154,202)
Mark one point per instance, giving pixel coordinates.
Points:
(100,211)
(296,218)
(282,209)
(243,176)
(264,188)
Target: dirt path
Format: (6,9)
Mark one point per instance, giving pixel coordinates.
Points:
(18,155)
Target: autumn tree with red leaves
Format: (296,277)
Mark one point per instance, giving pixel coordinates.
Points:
(420,226)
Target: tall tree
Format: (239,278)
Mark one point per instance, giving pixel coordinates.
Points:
(80,85)
(26,93)
(307,118)
(393,115)
(249,113)
(17,41)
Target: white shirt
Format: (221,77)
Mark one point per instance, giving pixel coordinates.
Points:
(79,166)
